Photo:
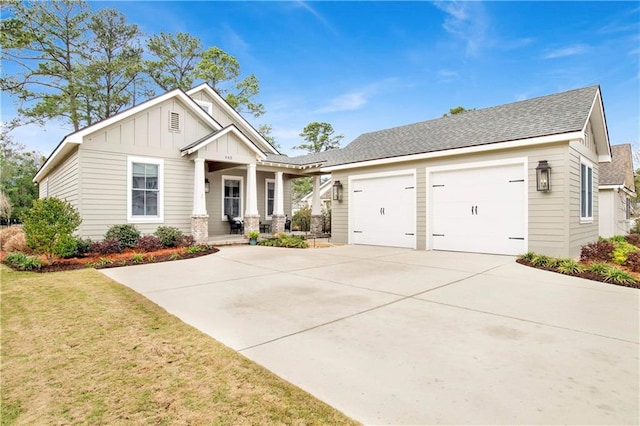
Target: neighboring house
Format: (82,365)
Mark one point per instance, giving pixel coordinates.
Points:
(467,182)
(181,159)
(325,196)
(616,190)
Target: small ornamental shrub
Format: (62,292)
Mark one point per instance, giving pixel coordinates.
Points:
(542,261)
(598,267)
(46,221)
(7,233)
(168,235)
(127,235)
(633,239)
(17,242)
(82,246)
(622,251)
(633,261)
(528,256)
(22,262)
(568,266)
(285,240)
(186,241)
(108,246)
(618,276)
(601,251)
(301,220)
(148,243)
(66,246)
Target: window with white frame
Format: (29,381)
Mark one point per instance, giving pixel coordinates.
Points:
(232,196)
(269,197)
(586,190)
(206,106)
(144,189)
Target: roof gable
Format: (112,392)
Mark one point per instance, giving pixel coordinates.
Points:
(217,135)
(241,123)
(618,172)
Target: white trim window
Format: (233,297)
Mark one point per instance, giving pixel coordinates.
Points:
(145,178)
(269,197)
(586,190)
(232,195)
(206,106)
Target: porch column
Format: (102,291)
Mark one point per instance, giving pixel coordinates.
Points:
(199,216)
(251,215)
(278,218)
(316,210)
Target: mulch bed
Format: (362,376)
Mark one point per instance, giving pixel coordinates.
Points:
(120,259)
(586,275)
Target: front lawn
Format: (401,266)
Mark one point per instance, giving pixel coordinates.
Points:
(78,347)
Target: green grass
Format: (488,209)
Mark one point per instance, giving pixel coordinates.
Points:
(80,348)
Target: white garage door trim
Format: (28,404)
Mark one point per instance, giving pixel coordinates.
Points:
(394,173)
(476,165)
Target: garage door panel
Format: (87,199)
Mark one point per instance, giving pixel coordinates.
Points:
(479,210)
(383,211)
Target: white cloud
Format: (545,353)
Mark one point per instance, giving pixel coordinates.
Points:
(467,21)
(563,52)
(306,6)
(356,98)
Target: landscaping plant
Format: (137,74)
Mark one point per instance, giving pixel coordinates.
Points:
(49,225)
(126,234)
(168,235)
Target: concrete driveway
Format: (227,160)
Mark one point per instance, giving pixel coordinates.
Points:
(396,336)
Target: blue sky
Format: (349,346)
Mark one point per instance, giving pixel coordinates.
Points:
(365,66)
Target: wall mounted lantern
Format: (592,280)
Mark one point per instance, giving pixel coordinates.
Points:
(207,187)
(336,191)
(543,176)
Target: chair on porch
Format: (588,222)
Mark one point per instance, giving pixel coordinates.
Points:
(235,226)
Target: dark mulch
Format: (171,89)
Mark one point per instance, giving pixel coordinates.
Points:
(586,275)
(121,259)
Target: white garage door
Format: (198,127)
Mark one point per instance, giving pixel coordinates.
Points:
(383,211)
(479,210)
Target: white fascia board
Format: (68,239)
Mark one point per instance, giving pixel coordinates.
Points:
(229,129)
(541,140)
(232,112)
(78,137)
(618,187)
(601,123)
(61,150)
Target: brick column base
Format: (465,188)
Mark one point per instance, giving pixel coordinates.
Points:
(316,224)
(277,223)
(200,228)
(251,223)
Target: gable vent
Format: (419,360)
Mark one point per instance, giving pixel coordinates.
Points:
(174,121)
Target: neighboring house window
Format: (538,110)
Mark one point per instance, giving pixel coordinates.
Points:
(628,209)
(232,196)
(270,196)
(206,106)
(586,191)
(174,121)
(145,177)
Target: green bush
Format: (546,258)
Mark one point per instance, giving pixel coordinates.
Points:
(82,246)
(22,262)
(48,221)
(285,240)
(301,219)
(127,235)
(622,250)
(568,266)
(66,246)
(169,236)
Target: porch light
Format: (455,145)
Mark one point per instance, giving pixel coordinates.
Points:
(336,191)
(543,176)
(206,185)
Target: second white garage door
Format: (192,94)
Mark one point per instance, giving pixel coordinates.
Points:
(479,210)
(383,211)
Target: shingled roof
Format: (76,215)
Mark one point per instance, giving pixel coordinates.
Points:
(619,171)
(543,116)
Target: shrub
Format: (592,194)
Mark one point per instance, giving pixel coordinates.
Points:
(127,235)
(148,243)
(568,266)
(598,267)
(17,242)
(301,219)
(633,239)
(7,233)
(168,235)
(528,256)
(285,240)
(633,261)
(186,241)
(108,246)
(542,261)
(617,276)
(82,246)
(22,262)
(601,251)
(46,222)
(622,251)
(66,246)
